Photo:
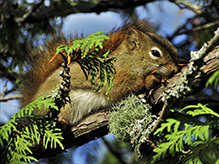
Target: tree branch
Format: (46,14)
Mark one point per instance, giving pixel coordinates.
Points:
(95,125)
(13,97)
(55,9)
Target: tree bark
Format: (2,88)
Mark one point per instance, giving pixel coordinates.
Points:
(95,125)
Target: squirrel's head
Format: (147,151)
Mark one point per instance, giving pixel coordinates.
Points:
(151,52)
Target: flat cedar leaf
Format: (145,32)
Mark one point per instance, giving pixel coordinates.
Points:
(216,82)
(176,126)
(159,130)
(31,158)
(28,135)
(1,141)
(161,151)
(101,60)
(59,49)
(206,130)
(197,143)
(66,48)
(199,132)
(53,137)
(200,109)
(27,159)
(196,160)
(172,148)
(174,144)
(22,159)
(202,106)
(188,137)
(71,49)
(195,113)
(91,64)
(208,110)
(31,133)
(68,53)
(170,122)
(7,129)
(106,54)
(213,79)
(215,140)
(44,141)
(189,107)
(22,145)
(27,130)
(180,145)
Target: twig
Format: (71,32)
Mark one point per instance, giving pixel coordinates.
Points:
(4,90)
(189,5)
(29,12)
(176,33)
(3,99)
(204,26)
(159,119)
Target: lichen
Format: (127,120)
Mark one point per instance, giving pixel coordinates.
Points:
(131,120)
(183,87)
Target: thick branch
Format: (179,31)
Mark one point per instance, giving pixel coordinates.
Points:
(64,8)
(95,125)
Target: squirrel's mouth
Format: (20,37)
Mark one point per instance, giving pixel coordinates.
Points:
(159,75)
(165,71)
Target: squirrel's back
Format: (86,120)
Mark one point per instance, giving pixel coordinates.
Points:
(138,51)
(39,59)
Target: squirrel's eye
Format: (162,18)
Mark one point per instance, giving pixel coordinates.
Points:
(155,53)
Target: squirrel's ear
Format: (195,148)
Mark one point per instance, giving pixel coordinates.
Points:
(133,39)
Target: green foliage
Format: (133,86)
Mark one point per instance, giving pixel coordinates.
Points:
(193,140)
(98,67)
(131,120)
(27,129)
(214,79)
(199,110)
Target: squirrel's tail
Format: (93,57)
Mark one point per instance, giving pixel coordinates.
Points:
(39,67)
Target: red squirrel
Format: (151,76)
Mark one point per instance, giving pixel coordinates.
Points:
(143,59)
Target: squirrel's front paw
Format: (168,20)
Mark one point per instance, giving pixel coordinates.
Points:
(151,81)
(142,97)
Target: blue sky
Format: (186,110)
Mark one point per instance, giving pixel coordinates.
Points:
(168,18)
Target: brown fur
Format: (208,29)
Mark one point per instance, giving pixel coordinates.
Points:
(130,44)
(39,59)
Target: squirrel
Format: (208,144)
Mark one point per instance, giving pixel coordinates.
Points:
(143,60)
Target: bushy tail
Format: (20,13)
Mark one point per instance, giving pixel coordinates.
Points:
(39,67)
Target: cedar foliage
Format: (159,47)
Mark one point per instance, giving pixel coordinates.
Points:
(26,129)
